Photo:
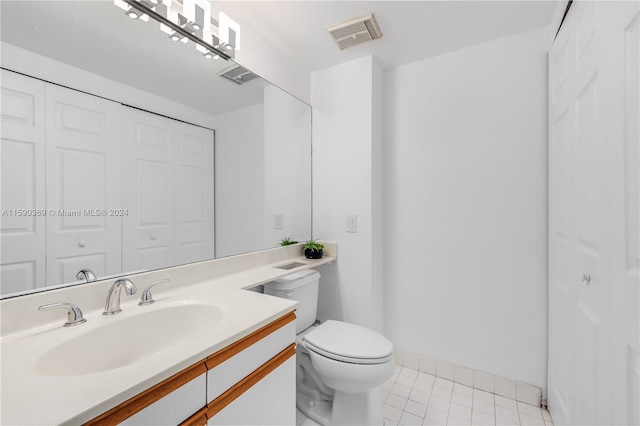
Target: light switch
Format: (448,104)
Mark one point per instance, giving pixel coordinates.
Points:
(277,221)
(352,223)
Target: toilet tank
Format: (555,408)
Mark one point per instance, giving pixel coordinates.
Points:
(302,287)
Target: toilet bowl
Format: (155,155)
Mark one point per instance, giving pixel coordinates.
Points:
(339,365)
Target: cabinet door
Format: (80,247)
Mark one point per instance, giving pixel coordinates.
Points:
(271,401)
(83,182)
(23,182)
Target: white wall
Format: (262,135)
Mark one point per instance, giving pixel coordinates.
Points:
(287,159)
(263,158)
(465,191)
(344,154)
(239,177)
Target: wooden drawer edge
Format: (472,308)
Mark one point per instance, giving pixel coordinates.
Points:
(245,384)
(198,419)
(137,403)
(233,349)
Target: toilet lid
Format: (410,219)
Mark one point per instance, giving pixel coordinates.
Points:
(349,342)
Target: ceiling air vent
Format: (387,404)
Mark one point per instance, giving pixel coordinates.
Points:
(237,74)
(355,31)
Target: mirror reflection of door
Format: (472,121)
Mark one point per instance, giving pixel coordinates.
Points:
(125,190)
(22,183)
(83,181)
(168,170)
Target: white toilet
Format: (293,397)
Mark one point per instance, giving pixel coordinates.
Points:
(340,365)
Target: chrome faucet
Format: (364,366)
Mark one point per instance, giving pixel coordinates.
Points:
(112,306)
(87,275)
(146,298)
(74,314)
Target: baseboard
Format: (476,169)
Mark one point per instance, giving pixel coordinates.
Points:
(522,392)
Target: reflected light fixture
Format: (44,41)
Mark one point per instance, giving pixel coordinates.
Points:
(210,55)
(135,14)
(189,20)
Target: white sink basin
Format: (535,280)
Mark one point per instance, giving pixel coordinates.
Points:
(128,340)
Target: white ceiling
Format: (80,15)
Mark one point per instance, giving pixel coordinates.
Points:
(412,30)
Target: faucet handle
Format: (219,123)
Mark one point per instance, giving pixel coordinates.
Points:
(74,314)
(145,298)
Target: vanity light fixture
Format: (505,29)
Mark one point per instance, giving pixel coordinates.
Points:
(185,20)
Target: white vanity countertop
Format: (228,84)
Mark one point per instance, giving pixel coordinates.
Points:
(30,396)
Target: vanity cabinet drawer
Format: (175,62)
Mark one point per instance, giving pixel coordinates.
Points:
(270,401)
(174,408)
(223,374)
(171,401)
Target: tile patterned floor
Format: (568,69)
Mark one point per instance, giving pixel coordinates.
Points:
(411,397)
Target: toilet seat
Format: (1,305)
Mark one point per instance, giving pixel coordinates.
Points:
(349,343)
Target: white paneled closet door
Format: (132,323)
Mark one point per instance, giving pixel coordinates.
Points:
(148,232)
(586,101)
(83,180)
(168,191)
(22,151)
(625,198)
(194,209)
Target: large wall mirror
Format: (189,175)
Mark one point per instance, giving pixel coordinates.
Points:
(123,151)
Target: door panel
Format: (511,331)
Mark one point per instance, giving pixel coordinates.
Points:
(22,140)
(579,304)
(83,183)
(194,191)
(593,310)
(170,191)
(625,343)
(630,275)
(148,237)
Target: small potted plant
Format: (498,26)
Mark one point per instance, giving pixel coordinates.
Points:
(313,249)
(287,241)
